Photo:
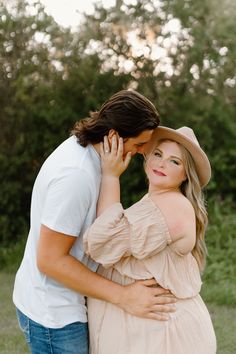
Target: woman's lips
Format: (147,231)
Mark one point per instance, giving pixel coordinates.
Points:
(159,173)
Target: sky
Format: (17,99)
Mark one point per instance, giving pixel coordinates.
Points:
(68,12)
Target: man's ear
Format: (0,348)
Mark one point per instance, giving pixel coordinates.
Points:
(111,133)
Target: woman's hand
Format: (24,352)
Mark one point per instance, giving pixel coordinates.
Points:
(113,161)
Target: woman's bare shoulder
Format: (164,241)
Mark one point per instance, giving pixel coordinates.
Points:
(179,215)
(173,201)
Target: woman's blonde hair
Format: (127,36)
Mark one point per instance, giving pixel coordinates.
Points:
(191,189)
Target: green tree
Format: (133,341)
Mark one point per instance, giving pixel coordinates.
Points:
(29,49)
(48,84)
(181,54)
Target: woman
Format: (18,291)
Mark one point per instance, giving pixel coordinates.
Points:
(161,237)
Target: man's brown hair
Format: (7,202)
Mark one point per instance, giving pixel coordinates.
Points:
(127,112)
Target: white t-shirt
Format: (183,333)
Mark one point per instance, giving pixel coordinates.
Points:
(64,199)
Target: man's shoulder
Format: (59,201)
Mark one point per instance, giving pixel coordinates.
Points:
(68,153)
(70,161)
(69,147)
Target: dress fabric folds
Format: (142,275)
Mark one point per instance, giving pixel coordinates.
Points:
(135,244)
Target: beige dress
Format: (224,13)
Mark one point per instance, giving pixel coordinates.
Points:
(135,244)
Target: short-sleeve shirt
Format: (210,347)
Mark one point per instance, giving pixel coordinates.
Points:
(64,199)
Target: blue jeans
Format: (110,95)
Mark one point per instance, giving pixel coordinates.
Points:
(71,339)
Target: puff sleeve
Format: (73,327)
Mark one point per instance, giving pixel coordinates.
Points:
(138,231)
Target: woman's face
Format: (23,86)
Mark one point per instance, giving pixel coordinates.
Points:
(165,166)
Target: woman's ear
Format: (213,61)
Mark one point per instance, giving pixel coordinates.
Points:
(185,178)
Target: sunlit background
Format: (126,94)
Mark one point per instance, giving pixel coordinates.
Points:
(68,13)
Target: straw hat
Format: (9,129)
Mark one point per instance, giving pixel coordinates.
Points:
(186,137)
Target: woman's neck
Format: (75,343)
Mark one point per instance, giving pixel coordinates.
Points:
(155,191)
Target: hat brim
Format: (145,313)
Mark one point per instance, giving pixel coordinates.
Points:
(201,161)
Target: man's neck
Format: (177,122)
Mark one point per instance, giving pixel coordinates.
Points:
(97,148)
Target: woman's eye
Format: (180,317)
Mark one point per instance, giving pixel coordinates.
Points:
(175,162)
(156,153)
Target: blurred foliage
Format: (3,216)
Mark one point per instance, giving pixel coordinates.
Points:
(180,54)
(220,274)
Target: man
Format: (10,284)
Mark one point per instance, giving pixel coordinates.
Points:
(55,274)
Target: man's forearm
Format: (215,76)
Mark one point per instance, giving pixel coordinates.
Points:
(74,275)
(139,298)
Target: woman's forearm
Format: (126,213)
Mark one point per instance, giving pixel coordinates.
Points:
(109,193)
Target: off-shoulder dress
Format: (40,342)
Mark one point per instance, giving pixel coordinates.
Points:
(135,244)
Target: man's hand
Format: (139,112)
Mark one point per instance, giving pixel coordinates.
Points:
(144,299)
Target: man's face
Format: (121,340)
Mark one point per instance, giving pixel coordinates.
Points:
(137,144)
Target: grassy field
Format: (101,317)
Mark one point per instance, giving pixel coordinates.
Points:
(11,338)
(12,342)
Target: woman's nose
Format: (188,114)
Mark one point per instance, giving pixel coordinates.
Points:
(161,162)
